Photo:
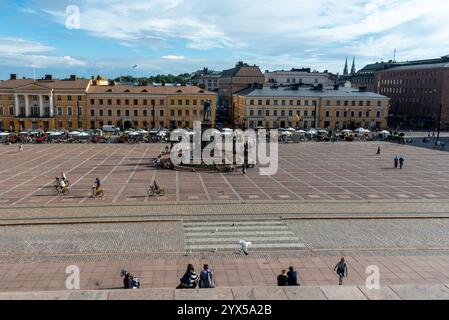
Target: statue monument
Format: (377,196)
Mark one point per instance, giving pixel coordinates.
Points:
(207,111)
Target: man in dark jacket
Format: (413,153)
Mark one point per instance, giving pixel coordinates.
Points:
(292,277)
(207,278)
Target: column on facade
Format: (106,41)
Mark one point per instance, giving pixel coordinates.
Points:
(16,106)
(52,111)
(41,105)
(27,106)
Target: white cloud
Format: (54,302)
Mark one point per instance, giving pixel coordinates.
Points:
(24,53)
(319,32)
(173,57)
(11,45)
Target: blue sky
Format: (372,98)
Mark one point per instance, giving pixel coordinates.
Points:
(176,36)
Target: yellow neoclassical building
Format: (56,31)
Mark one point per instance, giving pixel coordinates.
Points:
(331,108)
(89,104)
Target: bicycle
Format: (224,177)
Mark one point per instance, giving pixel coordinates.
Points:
(58,191)
(152,191)
(97,193)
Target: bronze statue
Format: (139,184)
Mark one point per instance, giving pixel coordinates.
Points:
(207,110)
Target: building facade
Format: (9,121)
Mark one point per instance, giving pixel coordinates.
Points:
(333,108)
(417,92)
(365,76)
(242,76)
(89,104)
(148,106)
(298,76)
(29,104)
(206,79)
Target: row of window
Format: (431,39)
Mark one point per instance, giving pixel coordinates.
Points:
(353,103)
(338,114)
(425,81)
(100,112)
(409,90)
(311,124)
(146,102)
(136,113)
(282,113)
(410,74)
(69,98)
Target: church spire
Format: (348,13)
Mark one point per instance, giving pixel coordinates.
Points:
(345,71)
(353,71)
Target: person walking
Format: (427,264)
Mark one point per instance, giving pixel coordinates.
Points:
(283,279)
(207,278)
(378,151)
(292,277)
(401,162)
(20,147)
(396,162)
(342,270)
(244,168)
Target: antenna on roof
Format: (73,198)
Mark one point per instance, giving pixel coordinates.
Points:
(394,57)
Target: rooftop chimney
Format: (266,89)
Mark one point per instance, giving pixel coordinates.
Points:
(13,76)
(73,77)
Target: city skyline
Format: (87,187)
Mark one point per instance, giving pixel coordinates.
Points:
(177,36)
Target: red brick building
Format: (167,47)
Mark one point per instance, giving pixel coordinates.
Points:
(416,92)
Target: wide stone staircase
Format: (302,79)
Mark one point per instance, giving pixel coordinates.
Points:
(393,292)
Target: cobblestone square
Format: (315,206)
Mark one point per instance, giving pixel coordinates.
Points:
(308,171)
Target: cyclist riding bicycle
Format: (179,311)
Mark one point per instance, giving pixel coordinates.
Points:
(155,186)
(97,184)
(61,185)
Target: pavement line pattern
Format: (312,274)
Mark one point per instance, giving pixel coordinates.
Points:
(226,235)
(130,176)
(38,154)
(231,187)
(110,172)
(33,169)
(178,192)
(48,183)
(259,188)
(87,173)
(204,187)
(153,178)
